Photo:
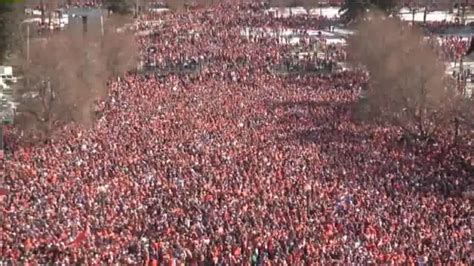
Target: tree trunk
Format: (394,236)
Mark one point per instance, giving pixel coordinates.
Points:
(1,139)
(424,14)
(459,8)
(137,8)
(456,130)
(42,11)
(50,17)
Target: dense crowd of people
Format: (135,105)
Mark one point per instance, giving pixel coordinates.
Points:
(84,3)
(454,47)
(442,26)
(232,165)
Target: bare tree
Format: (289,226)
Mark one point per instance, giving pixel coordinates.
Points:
(42,11)
(122,7)
(407,81)
(205,3)
(52,6)
(176,5)
(308,5)
(10,32)
(68,72)
(425,11)
(463,12)
(283,3)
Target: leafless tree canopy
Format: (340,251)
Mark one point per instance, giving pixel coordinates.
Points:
(180,5)
(407,81)
(289,3)
(68,72)
(177,5)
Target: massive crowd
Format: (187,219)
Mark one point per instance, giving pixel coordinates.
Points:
(232,165)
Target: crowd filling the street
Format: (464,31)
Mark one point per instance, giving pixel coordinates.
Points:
(234,164)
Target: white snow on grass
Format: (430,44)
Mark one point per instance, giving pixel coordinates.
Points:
(336,41)
(404,13)
(329,12)
(322,32)
(432,16)
(291,37)
(159,10)
(343,31)
(287,11)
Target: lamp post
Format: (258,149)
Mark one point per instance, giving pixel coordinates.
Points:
(27,39)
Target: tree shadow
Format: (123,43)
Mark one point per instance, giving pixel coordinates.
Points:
(332,128)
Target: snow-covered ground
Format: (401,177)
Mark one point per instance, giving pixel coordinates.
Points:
(291,36)
(433,16)
(159,10)
(404,13)
(330,12)
(343,31)
(407,15)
